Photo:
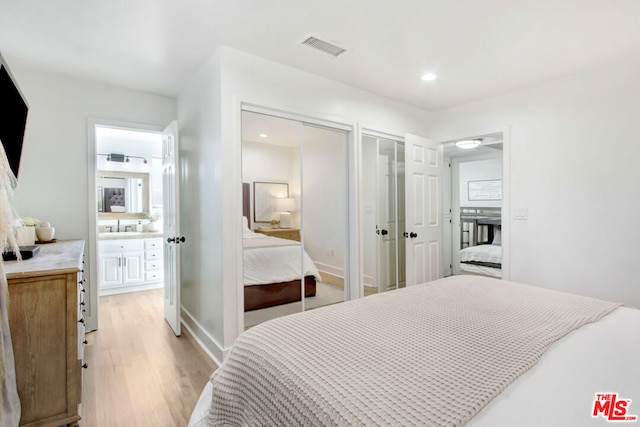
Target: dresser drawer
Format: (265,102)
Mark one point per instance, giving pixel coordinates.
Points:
(153,276)
(152,244)
(153,265)
(120,245)
(153,255)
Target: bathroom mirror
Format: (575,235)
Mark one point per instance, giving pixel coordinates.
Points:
(122,194)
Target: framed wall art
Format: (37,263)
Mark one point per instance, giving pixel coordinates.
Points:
(485,190)
(264,194)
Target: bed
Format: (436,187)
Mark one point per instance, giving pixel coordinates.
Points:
(461,350)
(272,270)
(481,241)
(482,259)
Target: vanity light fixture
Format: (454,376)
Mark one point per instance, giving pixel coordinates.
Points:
(468,144)
(121,158)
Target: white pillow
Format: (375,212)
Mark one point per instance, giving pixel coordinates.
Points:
(497,238)
(245,226)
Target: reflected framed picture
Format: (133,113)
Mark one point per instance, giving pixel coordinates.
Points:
(485,190)
(264,194)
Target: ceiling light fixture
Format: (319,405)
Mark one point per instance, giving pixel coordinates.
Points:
(428,77)
(263,135)
(468,144)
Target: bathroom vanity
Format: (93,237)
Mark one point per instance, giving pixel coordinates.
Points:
(129,261)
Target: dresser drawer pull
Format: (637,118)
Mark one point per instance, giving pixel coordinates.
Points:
(85,342)
(85,366)
(81,321)
(82,303)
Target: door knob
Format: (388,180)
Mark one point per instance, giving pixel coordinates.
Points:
(171,239)
(384,232)
(413,235)
(405,234)
(181,239)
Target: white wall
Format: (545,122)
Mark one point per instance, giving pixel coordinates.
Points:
(246,78)
(52,182)
(324,198)
(201,210)
(481,170)
(574,165)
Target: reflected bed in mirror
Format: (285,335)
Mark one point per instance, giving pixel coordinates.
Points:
(122,194)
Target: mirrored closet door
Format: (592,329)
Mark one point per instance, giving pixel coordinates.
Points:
(324,211)
(295,216)
(383,192)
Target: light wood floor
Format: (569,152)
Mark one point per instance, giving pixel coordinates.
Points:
(338,283)
(140,373)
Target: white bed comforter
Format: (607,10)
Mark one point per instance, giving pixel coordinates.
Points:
(482,253)
(269,259)
(433,354)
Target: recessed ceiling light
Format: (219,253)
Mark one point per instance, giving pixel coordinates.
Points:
(428,77)
(468,144)
(263,135)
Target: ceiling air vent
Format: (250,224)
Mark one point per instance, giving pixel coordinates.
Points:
(323,45)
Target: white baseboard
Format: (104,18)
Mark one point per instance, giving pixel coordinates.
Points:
(209,344)
(336,271)
(368,281)
(129,288)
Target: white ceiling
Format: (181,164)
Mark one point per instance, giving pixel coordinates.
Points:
(479,48)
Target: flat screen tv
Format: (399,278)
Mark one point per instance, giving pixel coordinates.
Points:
(13,116)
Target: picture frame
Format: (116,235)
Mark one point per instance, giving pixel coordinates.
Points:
(485,190)
(264,194)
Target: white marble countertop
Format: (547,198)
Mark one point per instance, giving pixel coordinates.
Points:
(61,257)
(118,235)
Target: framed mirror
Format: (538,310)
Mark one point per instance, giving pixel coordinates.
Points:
(122,194)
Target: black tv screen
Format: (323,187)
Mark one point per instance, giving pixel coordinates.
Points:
(13,116)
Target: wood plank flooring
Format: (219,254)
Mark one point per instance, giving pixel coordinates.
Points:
(338,283)
(140,373)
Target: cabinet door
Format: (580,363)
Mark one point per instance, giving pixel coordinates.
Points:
(110,273)
(133,264)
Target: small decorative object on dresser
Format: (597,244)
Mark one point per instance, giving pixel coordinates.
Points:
(45,232)
(283,233)
(26,231)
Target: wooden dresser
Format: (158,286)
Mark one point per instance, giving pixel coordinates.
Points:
(283,233)
(47,328)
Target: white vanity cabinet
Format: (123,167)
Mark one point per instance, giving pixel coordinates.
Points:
(127,265)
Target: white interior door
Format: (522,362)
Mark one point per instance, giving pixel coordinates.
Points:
(423,199)
(171,222)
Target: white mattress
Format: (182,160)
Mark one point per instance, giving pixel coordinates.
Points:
(269,259)
(482,253)
(481,269)
(560,388)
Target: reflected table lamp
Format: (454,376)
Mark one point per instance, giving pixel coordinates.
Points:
(285,206)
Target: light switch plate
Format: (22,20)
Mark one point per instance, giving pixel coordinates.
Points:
(521,213)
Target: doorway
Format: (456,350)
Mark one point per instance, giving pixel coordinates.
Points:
(474,205)
(383,195)
(126,205)
(295,208)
